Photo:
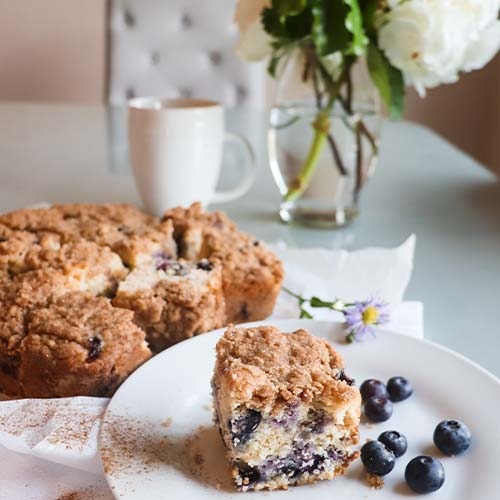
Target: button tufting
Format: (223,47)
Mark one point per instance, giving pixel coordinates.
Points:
(129,19)
(215,58)
(155,58)
(241,93)
(186,21)
(180,48)
(185,93)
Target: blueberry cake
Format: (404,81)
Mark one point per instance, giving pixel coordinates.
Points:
(251,273)
(68,270)
(79,344)
(286,411)
(173,299)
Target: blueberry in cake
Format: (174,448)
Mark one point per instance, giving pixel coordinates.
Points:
(173,300)
(287,413)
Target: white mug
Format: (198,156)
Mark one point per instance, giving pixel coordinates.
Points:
(176,152)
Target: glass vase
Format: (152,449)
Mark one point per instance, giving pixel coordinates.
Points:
(346,159)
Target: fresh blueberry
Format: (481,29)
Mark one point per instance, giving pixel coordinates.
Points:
(243,426)
(395,441)
(399,389)
(377,459)
(452,437)
(378,409)
(424,474)
(372,387)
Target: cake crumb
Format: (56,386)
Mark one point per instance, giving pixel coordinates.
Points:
(374,482)
(167,423)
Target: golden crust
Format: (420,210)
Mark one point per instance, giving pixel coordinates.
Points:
(79,345)
(47,253)
(100,223)
(18,296)
(263,368)
(251,273)
(174,309)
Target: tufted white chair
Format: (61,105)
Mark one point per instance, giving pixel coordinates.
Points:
(179,48)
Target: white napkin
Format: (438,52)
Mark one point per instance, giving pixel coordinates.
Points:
(65,431)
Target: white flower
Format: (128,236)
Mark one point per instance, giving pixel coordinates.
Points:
(255,43)
(431,41)
(482,12)
(483,49)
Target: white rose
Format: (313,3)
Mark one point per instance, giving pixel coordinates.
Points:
(255,43)
(425,40)
(431,41)
(481,12)
(483,49)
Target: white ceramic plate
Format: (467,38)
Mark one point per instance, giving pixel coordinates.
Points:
(158,442)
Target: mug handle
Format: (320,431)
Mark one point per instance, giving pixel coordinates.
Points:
(248,177)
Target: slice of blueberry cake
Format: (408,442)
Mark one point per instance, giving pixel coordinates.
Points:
(286,411)
(173,299)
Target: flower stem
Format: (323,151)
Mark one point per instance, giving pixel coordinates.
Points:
(321,126)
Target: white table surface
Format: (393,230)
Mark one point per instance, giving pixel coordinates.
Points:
(423,185)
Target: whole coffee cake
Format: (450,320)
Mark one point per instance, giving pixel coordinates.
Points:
(286,411)
(68,270)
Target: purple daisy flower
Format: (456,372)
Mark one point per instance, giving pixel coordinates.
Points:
(362,317)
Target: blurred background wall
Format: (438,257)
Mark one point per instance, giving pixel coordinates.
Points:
(52,50)
(55,50)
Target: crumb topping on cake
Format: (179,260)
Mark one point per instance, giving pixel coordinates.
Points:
(19,295)
(265,368)
(84,327)
(134,259)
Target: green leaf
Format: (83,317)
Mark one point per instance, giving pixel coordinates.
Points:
(305,315)
(354,23)
(289,7)
(388,80)
(317,302)
(338,26)
(273,64)
(272,23)
(350,338)
(286,29)
(299,25)
(370,9)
